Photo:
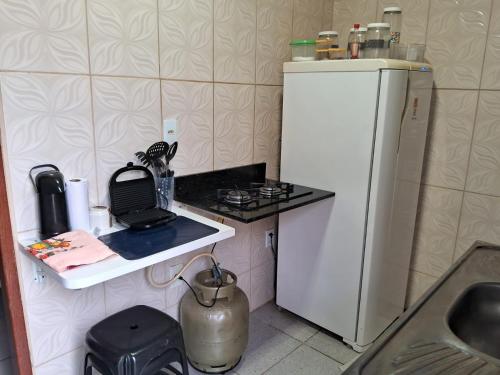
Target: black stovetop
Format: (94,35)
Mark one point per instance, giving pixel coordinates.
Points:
(207,191)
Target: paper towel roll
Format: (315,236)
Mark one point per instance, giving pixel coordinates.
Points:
(99,218)
(77,200)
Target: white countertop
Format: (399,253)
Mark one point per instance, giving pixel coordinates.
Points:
(115,266)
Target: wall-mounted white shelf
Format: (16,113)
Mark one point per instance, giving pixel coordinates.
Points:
(115,266)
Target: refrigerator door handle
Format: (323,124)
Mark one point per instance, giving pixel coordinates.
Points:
(403,112)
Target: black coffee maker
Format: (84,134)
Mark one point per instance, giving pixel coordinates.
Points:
(51,190)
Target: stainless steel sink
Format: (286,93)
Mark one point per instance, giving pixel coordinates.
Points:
(453,329)
(475,318)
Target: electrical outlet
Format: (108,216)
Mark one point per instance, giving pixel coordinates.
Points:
(174,270)
(268,238)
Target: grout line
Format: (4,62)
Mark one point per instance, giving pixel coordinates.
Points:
(159,67)
(213,84)
(486,44)
(425,273)
(340,363)
(58,356)
(428,19)
(92,111)
(282,359)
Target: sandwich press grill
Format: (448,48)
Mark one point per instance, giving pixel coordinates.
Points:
(133,202)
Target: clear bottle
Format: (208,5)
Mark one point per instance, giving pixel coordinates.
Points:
(393,16)
(356,42)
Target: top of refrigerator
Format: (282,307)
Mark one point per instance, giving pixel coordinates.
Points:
(359,65)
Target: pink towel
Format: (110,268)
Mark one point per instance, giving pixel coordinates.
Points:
(69,250)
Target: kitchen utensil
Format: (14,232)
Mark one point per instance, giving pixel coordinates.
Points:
(51,190)
(157,150)
(143,158)
(172,150)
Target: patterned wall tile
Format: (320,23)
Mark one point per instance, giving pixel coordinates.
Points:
(491,70)
(274,31)
(127,119)
(234,117)
(68,364)
(134,289)
(348,12)
(456,38)
(57,318)
(244,284)
(267,132)
(260,253)
(234,40)
(418,284)
(307,18)
(480,220)
(234,253)
(123,37)
(449,138)
(191,104)
(47,120)
(327,16)
(414,26)
(186,39)
(436,230)
(262,285)
(484,167)
(43,35)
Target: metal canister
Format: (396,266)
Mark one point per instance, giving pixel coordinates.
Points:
(215,337)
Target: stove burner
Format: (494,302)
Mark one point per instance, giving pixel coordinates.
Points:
(238,197)
(270,191)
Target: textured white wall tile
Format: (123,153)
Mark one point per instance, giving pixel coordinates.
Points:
(417,285)
(260,253)
(307,18)
(47,120)
(234,40)
(58,318)
(244,284)
(43,35)
(234,118)
(348,12)
(274,32)
(449,138)
(123,37)
(484,168)
(414,18)
(134,289)
(191,104)
(262,285)
(68,364)
(234,253)
(267,132)
(436,230)
(456,38)
(327,16)
(127,119)
(491,70)
(480,220)
(186,39)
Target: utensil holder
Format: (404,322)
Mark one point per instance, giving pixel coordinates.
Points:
(165,192)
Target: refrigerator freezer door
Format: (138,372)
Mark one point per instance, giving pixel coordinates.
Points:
(327,143)
(397,168)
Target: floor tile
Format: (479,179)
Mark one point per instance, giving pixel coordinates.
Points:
(267,346)
(306,360)
(332,347)
(285,321)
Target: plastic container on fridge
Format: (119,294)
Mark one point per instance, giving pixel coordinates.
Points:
(303,49)
(392,15)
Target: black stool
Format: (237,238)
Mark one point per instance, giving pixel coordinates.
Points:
(137,341)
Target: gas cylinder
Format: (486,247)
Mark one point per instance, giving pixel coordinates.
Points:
(215,337)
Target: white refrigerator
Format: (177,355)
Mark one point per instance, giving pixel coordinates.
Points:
(357,128)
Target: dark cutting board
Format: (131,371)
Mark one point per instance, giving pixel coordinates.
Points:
(135,244)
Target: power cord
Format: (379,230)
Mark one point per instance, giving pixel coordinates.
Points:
(271,235)
(196,296)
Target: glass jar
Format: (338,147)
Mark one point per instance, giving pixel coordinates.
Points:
(332,38)
(303,49)
(393,16)
(377,41)
(357,36)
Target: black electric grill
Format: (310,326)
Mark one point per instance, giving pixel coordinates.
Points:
(133,202)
